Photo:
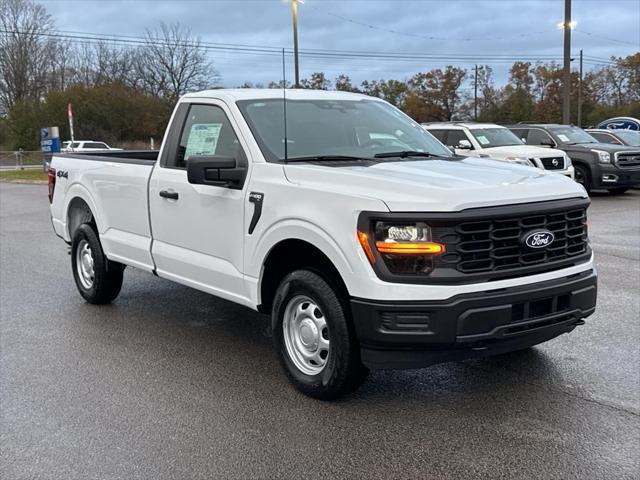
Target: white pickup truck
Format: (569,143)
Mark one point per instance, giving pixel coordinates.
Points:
(367,241)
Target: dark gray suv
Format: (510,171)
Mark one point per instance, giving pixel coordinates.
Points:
(615,168)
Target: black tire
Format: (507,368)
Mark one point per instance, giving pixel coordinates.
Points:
(343,371)
(105,283)
(583,176)
(618,190)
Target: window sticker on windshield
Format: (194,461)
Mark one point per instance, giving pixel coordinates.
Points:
(203,139)
(483,140)
(563,137)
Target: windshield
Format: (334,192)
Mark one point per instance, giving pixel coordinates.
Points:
(355,128)
(572,135)
(630,137)
(495,137)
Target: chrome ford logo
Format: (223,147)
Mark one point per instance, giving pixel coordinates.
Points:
(538,239)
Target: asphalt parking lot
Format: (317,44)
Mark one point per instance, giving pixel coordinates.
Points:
(169,382)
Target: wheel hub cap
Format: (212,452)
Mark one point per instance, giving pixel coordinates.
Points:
(84,264)
(306,335)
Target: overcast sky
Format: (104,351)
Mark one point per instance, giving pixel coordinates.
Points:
(457,27)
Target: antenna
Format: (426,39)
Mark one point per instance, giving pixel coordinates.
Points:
(284,107)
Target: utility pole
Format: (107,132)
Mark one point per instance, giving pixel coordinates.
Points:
(580,94)
(475,95)
(294,10)
(566,81)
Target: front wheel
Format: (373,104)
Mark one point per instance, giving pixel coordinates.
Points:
(98,280)
(583,177)
(314,337)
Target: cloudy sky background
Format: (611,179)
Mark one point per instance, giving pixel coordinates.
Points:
(458,27)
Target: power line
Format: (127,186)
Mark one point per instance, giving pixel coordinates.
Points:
(87,38)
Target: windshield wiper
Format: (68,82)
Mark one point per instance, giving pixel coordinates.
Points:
(403,154)
(326,158)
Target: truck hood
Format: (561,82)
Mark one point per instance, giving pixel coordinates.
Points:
(525,151)
(605,147)
(436,185)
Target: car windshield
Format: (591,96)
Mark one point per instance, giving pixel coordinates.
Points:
(495,137)
(630,137)
(331,128)
(572,135)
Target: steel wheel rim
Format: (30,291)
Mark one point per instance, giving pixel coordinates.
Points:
(306,335)
(579,176)
(85,264)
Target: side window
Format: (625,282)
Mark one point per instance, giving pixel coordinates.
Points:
(604,138)
(439,134)
(206,131)
(95,145)
(521,133)
(454,137)
(539,137)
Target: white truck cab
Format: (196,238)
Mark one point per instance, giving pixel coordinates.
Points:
(367,241)
(495,141)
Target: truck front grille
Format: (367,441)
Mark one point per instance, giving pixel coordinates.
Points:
(493,248)
(553,163)
(628,160)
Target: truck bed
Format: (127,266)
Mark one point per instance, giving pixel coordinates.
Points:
(142,157)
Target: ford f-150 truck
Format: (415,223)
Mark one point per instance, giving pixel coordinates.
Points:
(367,241)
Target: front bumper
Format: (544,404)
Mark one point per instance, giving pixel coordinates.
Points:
(610,176)
(417,334)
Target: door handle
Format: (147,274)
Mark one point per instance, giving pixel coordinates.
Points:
(168,194)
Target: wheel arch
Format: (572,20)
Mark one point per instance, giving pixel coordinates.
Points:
(80,208)
(288,255)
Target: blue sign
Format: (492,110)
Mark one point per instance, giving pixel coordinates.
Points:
(50,140)
(621,123)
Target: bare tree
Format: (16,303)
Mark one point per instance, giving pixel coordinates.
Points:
(24,50)
(173,62)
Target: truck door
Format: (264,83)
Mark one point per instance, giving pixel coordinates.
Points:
(198,229)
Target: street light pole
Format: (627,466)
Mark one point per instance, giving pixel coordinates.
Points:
(294,10)
(566,81)
(580,94)
(475,95)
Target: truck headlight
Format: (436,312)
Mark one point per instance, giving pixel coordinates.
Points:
(405,248)
(521,161)
(603,157)
(567,161)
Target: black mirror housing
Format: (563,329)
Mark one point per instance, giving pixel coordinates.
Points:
(215,170)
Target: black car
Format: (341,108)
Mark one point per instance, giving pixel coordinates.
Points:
(615,168)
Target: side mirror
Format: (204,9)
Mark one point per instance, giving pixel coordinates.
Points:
(215,170)
(547,143)
(464,145)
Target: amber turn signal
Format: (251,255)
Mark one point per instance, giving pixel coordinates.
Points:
(363,238)
(421,248)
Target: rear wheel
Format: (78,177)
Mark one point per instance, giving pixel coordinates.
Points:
(583,176)
(618,191)
(314,337)
(98,280)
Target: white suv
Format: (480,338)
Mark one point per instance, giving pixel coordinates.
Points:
(497,142)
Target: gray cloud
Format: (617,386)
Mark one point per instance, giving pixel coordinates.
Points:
(497,27)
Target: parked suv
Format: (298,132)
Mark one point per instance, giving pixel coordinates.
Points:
(615,168)
(498,142)
(86,146)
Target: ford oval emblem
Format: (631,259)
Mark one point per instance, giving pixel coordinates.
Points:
(537,239)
